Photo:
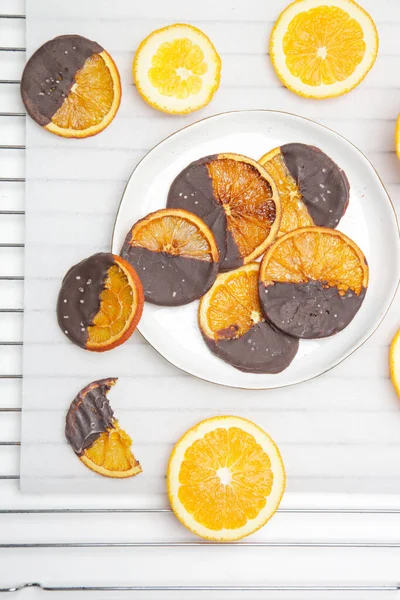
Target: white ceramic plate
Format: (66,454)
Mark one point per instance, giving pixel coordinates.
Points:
(369,220)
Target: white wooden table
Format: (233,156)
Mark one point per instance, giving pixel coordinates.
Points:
(357,549)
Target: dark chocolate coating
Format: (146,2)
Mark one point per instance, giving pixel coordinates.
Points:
(324,187)
(192,190)
(261,350)
(79,297)
(170,280)
(50,74)
(89,415)
(308,310)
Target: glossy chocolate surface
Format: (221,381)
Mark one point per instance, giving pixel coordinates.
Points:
(261,350)
(89,415)
(170,280)
(309,310)
(79,297)
(323,185)
(50,74)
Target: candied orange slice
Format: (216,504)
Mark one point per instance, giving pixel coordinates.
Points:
(312,282)
(177,69)
(100,302)
(175,254)
(95,435)
(294,211)
(316,253)
(225,478)
(323,50)
(121,306)
(175,232)
(237,199)
(313,189)
(234,327)
(92,102)
(232,305)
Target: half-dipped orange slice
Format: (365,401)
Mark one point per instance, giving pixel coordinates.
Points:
(71,87)
(236,198)
(175,255)
(100,302)
(312,282)
(95,435)
(234,328)
(312,188)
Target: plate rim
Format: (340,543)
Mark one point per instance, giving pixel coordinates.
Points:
(330,130)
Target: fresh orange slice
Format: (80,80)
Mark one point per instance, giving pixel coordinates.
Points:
(95,435)
(225,478)
(312,282)
(175,255)
(397,137)
(237,199)
(234,328)
(323,49)
(100,302)
(177,69)
(312,188)
(71,86)
(394,362)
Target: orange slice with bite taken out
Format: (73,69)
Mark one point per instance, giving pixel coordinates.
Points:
(95,435)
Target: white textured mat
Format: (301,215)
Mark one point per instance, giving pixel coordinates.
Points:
(338,433)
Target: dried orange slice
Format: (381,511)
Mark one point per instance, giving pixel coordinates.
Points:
(394,362)
(95,435)
(236,198)
(177,69)
(312,282)
(100,302)
(175,254)
(234,328)
(312,188)
(323,49)
(71,86)
(225,478)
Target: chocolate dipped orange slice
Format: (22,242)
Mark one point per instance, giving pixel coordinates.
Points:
(312,282)
(71,87)
(95,435)
(234,328)
(100,302)
(236,198)
(312,188)
(175,255)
